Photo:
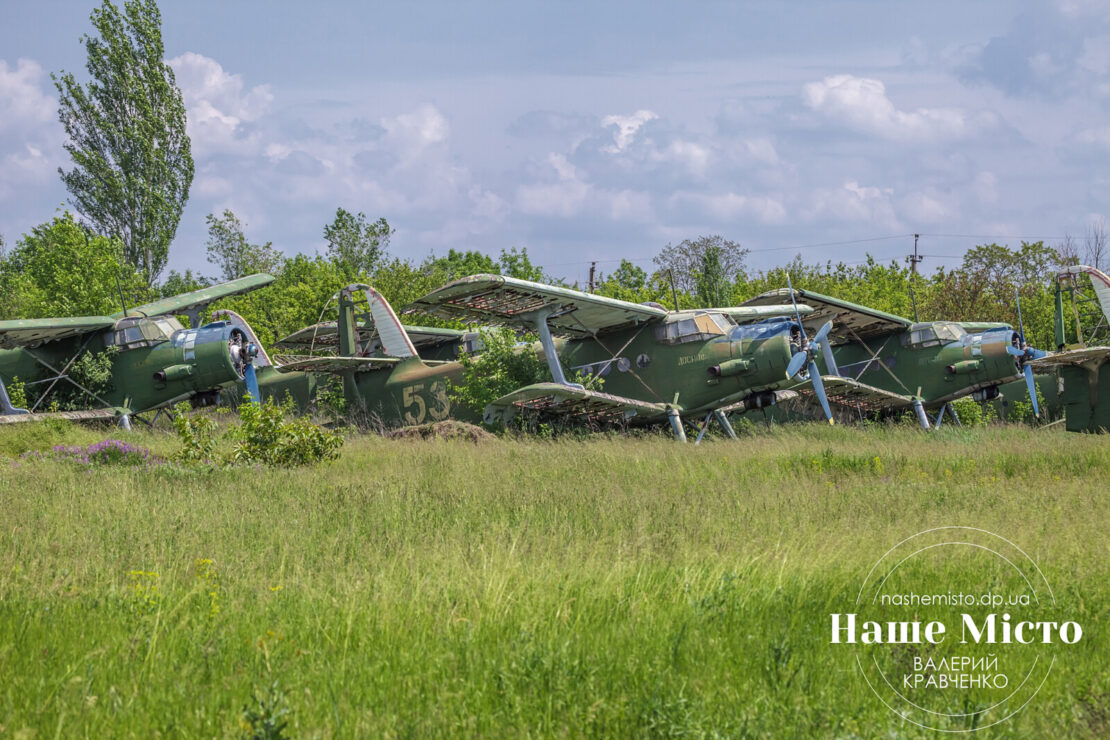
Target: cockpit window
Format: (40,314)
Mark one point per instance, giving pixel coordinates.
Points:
(141,332)
(697,328)
(933,334)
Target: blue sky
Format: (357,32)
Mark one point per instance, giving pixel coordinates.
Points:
(596,131)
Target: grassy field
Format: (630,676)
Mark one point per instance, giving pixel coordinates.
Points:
(515,587)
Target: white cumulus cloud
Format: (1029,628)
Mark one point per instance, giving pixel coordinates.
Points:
(861,104)
(22,102)
(218,104)
(626,128)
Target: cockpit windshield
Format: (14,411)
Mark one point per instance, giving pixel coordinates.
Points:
(760,330)
(933,334)
(693,328)
(142,332)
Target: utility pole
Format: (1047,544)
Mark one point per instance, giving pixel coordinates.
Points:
(913,259)
(593,266)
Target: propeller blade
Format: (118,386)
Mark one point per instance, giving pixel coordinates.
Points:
(823,333)
(1021,324)
(1015,351)
(1038,353)
(252,383)
(819,388)
(826,352)
(796,364)
(1032,390)
(793,302)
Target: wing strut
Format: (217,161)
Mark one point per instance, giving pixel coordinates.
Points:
(6,403)
(540,319)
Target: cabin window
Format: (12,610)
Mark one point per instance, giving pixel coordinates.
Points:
(933,334)
(131,333)
(698,328)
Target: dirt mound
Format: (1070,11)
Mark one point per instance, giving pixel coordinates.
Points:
(449,429)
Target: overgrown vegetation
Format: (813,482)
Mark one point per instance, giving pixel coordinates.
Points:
(263,436)
(610,587)
(506,363)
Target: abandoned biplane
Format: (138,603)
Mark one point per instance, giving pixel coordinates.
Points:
(299,377)
(877,362)
(383,374)
(657,365)
(155,361)
(1081,364)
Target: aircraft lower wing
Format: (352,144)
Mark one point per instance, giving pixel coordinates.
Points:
(1070,357)
(555,398)
(299,363)
(852,393)
(87,415)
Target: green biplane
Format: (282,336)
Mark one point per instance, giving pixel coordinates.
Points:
(155,361)
(1081,364)
(657,365)
(877,362)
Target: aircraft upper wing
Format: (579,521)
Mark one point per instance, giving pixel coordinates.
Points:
(555,398)
(298,363)
(852,393)
(847,318)
(33,332)
(1070,357)
(506,301)
(180,304)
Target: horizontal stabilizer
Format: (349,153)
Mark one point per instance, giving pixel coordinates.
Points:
(300,363)
(325,337)
(1070,357)
(568,401)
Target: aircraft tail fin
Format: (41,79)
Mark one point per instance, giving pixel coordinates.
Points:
(395,340)
(1099,281)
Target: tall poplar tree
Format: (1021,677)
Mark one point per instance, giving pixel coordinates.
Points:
(126,130)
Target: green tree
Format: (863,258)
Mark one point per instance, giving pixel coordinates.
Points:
(126,135)
(713,286)
(177,283)
(230,251)
(356,244)
(686,260)
(456,264)
(518,265)
(62,269)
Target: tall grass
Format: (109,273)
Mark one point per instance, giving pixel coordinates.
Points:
(602,586)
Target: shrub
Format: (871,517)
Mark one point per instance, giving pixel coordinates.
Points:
(262,437)
(504,365)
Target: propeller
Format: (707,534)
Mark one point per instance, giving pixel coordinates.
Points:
(805,354)
(243,352)
(1024,353)
(250,376)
